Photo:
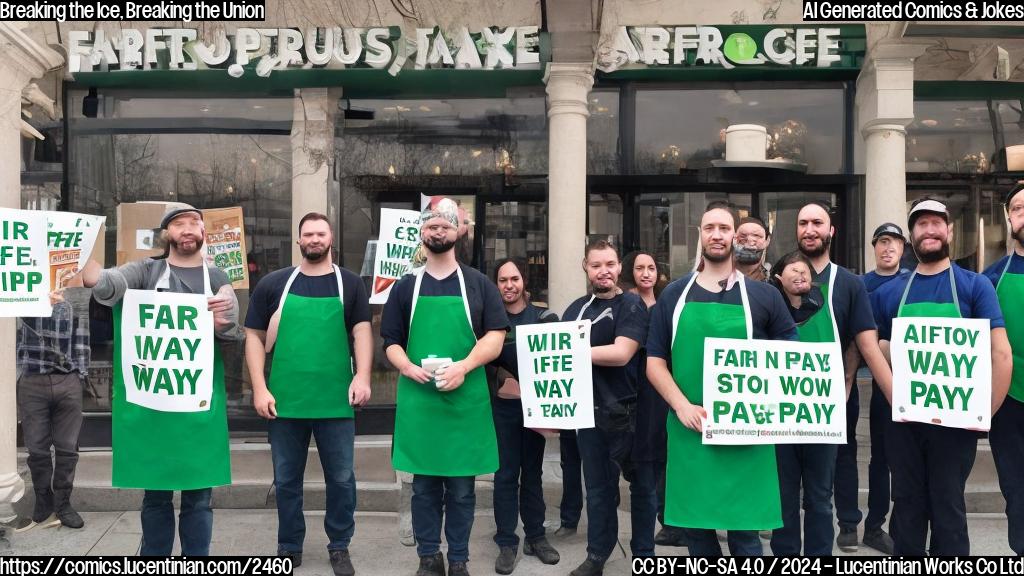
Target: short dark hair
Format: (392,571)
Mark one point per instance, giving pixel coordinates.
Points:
(599,244)
(829,210)
(786,260)
(315,216)
(728,207)
(519,263)
(753,220)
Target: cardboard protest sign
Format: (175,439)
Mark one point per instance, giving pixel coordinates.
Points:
(70,239)
(167,351)
(773,392)
(24,264)
(942,371)
(225,244)
(399,237)
(555,375)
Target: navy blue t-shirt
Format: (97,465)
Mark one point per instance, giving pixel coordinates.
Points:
(995,271)
(873,280)
(975,292)
(623,315)
(850,303)
(266,296)
(769,313)
(508,359)
(485,306)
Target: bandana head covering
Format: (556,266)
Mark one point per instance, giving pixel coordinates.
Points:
(440,207)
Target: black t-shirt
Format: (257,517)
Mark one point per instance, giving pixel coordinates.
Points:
(508,359)
(850,303)
(485,306)
(623,315)
(266,297)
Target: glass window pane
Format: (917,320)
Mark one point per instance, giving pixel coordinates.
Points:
(603,133)
(950,136)
(519,230)
(685,129)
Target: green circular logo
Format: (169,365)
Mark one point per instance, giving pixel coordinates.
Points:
(740,47)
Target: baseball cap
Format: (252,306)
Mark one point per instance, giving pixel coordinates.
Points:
(175,210)
(1013,192)
(927,206)
(888,229)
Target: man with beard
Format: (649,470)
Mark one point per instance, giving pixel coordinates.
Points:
(708,488)
(930,463)
(1007,434)
(888,242)
(844,317)
(312,389)
(752,239)
(618,330)
(191,452)
(440,326)
(518,490)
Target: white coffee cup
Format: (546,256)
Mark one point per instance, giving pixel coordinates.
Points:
(432,365)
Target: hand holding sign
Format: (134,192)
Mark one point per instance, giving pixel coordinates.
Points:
(692,416)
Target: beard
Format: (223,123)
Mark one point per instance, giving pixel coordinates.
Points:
(716,258)
(1018,235)
(826,242)
(934,256)
(177,247)
(439,246)
(602,289)
(313,255)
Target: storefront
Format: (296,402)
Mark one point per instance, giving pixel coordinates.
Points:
(350,141)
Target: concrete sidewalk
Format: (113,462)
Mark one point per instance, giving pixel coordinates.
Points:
(375,547)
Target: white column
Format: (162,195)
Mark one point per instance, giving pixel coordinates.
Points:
(312,153)
(21,60)
(568,86)
(885,106)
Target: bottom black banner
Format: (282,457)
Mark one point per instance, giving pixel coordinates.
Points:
(957,566)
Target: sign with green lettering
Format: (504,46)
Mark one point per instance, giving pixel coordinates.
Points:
(942,371)
(773,392)
(555,375)
(24,264)
(399,237)
(167,351)
(70,238)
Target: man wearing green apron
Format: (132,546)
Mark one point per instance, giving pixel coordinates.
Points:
(930,463)
(708,488)
(844,317)
(617,331)
(440,326)
(316,318)
(1007,434)
(191,452)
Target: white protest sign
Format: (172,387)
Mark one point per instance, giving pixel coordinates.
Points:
(773,392)
(396,244)
(555,375)
(942,371)
(24,264)
(167,350)
(70,238)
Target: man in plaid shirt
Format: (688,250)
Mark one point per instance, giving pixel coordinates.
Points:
(53,363)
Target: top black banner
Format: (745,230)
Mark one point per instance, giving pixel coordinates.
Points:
(963,10)
(135,10)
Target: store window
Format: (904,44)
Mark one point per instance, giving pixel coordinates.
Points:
(603,133)
(207,152)
(679,130)
(963,136)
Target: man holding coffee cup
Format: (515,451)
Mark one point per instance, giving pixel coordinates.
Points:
(440,326)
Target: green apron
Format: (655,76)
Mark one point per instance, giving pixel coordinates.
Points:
(1010,291)
(714,487)
(443,433)
(821,327)
(307,380)
(158,450)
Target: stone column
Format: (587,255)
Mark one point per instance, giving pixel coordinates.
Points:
(885,106)
(21,60)
(568,86)
(312,153)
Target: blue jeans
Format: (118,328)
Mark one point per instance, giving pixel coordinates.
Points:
(289,445)
(643,495)
(517,483)
(741,543)
(601,476)
(448,499)
(195,522)
(813,467)
(1007,441)
(571,506)
(846,484)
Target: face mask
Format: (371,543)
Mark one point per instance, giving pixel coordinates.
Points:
(746,255)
